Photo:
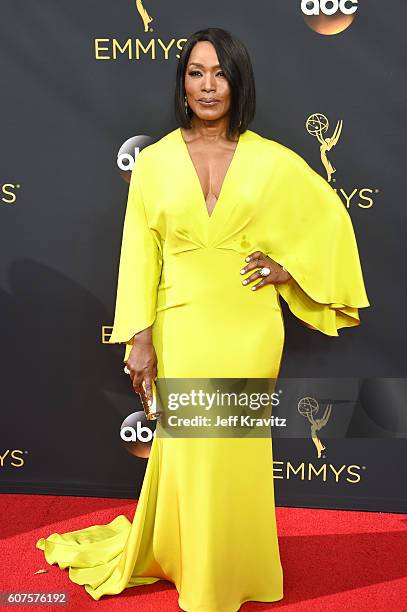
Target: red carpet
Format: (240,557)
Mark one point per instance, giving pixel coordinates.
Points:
(332,560)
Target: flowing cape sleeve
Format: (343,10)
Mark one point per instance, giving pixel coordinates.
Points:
(139,266)
(313,238)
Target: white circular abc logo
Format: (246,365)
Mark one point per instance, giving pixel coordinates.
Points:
(329,7)
(140,433)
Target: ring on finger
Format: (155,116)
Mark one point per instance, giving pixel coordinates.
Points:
(265,271)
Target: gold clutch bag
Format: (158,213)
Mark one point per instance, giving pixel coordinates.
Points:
(152,411)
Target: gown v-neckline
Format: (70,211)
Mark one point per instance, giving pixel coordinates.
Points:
(225,178)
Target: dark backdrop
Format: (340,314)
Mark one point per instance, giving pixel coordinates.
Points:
(66,109)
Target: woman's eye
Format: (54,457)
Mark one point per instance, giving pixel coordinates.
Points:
(193,72)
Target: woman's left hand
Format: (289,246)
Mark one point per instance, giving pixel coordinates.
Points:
(258,259)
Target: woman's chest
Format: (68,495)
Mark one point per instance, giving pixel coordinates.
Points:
(179,197)
(211,167)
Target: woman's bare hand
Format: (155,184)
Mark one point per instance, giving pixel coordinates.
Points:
(142,363)
(258,259)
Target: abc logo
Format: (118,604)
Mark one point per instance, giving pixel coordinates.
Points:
(329,17)
(329,7)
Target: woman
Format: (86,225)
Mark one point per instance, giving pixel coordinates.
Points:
(220,223)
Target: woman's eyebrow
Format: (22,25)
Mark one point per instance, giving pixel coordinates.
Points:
(202,66)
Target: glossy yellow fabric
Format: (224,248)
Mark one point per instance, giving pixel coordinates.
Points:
(205,519)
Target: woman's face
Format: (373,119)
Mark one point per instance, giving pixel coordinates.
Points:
(205,79)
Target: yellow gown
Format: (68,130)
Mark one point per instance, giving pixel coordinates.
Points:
(205,519)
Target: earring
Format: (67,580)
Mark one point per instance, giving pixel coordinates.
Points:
(186,106)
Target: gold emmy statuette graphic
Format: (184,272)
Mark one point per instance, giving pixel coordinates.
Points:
(308,407)
(316,125)
(152,412)
(143,14)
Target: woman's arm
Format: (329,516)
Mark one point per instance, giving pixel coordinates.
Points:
(139,268)
(312,236)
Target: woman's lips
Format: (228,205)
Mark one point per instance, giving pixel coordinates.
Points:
(208,103)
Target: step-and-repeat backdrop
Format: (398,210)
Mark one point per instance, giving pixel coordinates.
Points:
(82,79)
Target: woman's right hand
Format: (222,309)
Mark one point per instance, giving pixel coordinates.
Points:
(142,363)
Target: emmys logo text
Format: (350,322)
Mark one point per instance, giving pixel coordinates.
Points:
(327,139)
(329,7)
(12,458)
(7,194)
(326,472)
(136,48)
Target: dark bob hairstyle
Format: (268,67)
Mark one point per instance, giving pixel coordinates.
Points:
(235,62)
